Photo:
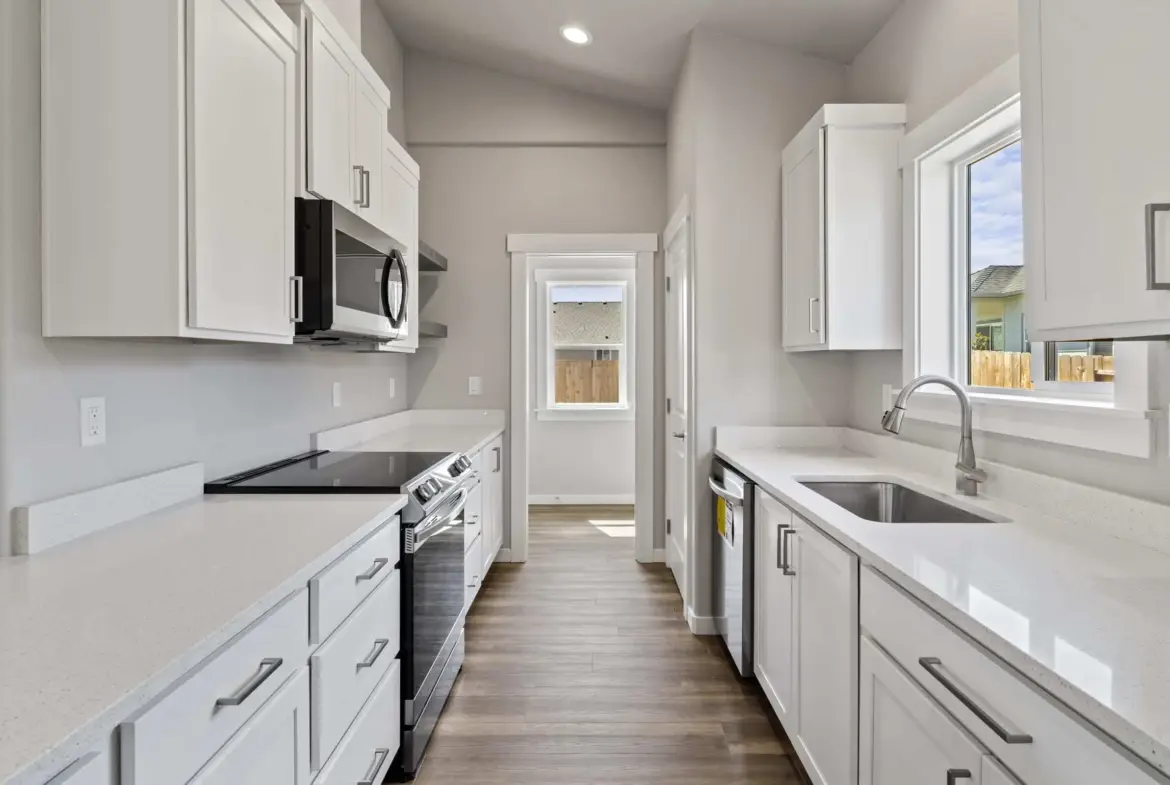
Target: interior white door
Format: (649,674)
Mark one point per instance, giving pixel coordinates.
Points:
(678,463)
(369,130)
(827,611)
(273,746)
(906,738)
(329,94)
(775,627)
(241,169)
(803,256)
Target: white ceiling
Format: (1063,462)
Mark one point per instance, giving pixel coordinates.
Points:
(638,45)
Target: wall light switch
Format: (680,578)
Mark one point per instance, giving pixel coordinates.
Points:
(337,395)
(475,385)
(93,421)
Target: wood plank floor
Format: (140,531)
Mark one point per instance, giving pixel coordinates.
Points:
(580,670)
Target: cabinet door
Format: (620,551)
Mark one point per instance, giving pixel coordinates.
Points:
(496,476)
(993,773)
(241,169)
(273,746)
(1095,155)
(473,570)
(329,137)
(827,615)
(906,738)
(803,229)
(775,611)
(369,129)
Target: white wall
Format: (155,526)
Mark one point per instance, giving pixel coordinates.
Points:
(501,154)
(381,47)
(167,403)
(739,104)
(927,55)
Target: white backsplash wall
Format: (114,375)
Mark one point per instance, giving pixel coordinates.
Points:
(929,53)
(167,403)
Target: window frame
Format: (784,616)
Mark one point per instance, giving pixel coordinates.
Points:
(937,302)
(547,408)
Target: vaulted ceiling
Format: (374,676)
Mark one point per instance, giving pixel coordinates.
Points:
(638,45)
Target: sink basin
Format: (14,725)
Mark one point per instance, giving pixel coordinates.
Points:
(889,502)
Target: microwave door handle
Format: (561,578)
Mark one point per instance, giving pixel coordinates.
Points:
(395,259)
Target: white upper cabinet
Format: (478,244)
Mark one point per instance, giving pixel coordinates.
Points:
(841,224)
(177,219)
(329,118)
(1095,127)
(369,135)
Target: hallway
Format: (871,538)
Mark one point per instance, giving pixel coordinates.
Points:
(580,671)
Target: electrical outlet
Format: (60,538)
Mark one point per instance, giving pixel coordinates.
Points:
(393,391)
(337,395)
(93,421)
(475,385)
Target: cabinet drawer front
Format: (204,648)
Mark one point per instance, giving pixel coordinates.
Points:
(369,747)
(343,585)
(170,739)
(348,667)
(92,769)
(995,701)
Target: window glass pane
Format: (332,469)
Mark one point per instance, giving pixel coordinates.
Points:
(1001,355)
(589,376)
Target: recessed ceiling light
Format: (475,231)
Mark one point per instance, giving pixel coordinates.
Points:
(576,34)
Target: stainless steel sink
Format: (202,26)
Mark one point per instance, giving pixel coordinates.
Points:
(889,502)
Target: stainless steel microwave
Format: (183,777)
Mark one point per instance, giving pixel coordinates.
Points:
(352,285)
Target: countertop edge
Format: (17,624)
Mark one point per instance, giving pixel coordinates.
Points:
(53,760)
(1135,741)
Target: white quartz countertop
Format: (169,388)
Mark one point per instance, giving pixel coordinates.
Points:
(1083,614)
(467,439)
(90,631)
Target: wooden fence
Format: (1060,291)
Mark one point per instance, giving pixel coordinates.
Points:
(588,381)
(1013,370)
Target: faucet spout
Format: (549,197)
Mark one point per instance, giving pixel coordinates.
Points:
(968,473)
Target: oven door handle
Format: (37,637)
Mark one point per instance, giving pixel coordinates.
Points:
(440,521)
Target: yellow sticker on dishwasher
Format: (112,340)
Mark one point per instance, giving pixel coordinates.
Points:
(721,516)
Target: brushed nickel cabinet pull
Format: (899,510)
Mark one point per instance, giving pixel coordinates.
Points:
(935,667)
(267,668)
(380,756)
(374,570)
(379,647)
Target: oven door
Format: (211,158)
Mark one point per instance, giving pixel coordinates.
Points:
(432,600)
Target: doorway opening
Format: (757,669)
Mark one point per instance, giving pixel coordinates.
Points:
(582,416)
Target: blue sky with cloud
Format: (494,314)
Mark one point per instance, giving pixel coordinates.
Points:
(997,209)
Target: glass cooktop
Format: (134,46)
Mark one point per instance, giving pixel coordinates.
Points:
(333,472)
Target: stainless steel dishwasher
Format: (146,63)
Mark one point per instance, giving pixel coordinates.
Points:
(733,571)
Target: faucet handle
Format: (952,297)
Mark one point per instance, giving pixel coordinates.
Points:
(972,473)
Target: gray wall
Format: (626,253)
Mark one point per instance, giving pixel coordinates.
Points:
(929,53)
(739,104)
(499,155)
(385,53)
(230,406)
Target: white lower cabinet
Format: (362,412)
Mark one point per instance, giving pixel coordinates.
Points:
(91,769)
(370,744)
(993,773)
(271,747)
(473,570)
(906,738)
(775,616)
(806,650)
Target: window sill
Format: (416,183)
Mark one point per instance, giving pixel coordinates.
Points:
(1086,424)
(625,414)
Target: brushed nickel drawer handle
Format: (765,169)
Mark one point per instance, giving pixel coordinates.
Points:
(379,647)
(268,667)
(380,756)
(787,549)
(935,667)
(954,775)
(374,570)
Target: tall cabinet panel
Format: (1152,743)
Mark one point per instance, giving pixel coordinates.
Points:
(1095,160)
(241,174)
(775,610)
(330,119)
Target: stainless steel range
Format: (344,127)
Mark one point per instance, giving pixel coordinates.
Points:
(432,614)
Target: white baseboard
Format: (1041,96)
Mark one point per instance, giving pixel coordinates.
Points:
(597,499)
(43,525)
(701,625)
(660,555)
(504,555)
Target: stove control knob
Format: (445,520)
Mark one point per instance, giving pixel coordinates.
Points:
(455,469)
(423,493)
(434,485)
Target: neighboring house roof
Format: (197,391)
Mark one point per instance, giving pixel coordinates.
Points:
(587,324)
(998,280)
